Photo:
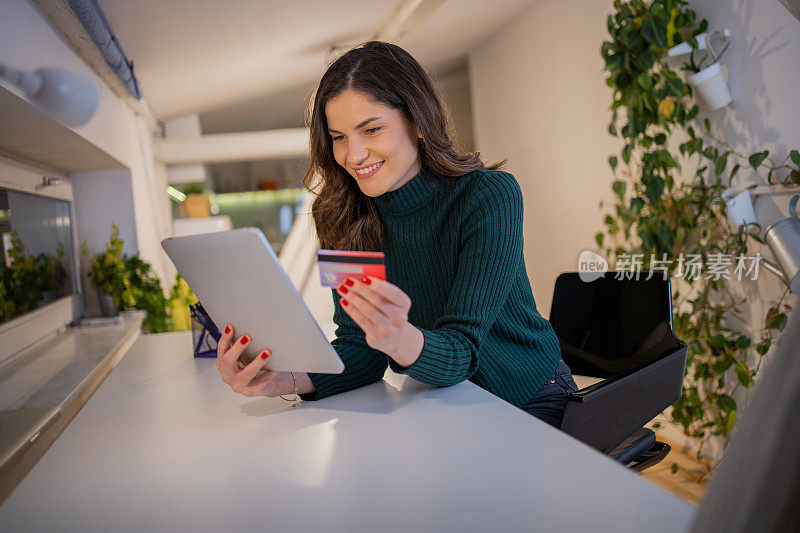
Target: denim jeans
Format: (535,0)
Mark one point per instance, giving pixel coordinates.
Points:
(549,403)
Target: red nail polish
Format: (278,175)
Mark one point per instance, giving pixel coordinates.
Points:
(344,302)
(245,339)
(227,329)
(366,280)
(264,354)
(343,289)
(349,282)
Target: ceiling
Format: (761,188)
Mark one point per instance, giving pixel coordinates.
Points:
(247,65)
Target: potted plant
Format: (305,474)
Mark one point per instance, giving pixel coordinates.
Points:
(709,81)
(125,283)
(197,203)
(143,291)
(107,274)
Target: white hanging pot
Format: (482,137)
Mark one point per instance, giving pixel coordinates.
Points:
(740,208)
(710,83)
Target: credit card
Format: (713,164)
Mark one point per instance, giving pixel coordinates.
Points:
(337,265)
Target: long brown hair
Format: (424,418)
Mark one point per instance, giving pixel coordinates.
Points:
(346,218)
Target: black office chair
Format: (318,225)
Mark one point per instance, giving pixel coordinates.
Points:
(621,331)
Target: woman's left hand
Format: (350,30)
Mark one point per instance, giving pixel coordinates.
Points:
(381,310)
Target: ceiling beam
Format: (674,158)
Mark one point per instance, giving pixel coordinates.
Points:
(405,18)
(221,147)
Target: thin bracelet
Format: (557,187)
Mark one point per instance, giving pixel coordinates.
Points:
(295,392)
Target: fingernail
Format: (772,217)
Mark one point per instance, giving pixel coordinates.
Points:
(366,280)
(264,354)
(349,282)
(245,339)
(344,302)
(227,329)
(343,289)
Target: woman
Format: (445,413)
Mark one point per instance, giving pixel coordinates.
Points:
(457,303)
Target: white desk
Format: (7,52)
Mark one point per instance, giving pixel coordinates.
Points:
(164,445)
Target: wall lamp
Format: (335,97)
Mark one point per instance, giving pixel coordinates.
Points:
(70,97)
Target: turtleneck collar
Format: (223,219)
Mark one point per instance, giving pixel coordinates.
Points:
(411,196)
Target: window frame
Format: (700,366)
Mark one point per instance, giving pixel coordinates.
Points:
(23,331)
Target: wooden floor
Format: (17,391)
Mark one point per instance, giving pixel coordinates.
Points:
(680,483)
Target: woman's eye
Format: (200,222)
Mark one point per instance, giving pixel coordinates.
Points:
(372,130)
(337,137)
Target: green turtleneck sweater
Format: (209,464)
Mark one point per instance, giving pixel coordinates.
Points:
(454,245)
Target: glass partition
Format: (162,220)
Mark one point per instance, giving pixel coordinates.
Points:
(38,257)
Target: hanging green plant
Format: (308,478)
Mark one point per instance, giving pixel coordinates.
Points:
(663,219)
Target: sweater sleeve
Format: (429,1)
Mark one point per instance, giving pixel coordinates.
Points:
(362,364)
(489,260)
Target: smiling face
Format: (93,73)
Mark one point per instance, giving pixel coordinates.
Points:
(373,142)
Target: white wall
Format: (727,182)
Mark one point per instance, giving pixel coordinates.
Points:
(102,198)
(539,98)
(456,92)
(27,41)
(763,69)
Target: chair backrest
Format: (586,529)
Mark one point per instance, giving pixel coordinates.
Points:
(620,330)
(609,326)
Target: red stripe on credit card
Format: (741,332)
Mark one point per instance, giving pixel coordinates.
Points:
(353,253)
(335,266)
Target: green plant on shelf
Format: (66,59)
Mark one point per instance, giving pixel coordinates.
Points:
(660,213)
(107,270)
(195,188)
(130,282)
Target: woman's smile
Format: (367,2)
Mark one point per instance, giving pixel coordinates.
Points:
(368,171)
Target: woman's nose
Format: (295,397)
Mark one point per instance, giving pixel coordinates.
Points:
(357,153)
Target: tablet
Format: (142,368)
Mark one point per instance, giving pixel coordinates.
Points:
(239,280)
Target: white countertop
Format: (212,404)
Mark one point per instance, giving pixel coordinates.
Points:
(164,445)
(45,379)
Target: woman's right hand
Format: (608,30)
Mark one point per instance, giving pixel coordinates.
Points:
(242,378)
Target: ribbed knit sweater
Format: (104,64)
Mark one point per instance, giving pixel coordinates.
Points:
(454,246)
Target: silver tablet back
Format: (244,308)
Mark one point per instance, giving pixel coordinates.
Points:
(238,279)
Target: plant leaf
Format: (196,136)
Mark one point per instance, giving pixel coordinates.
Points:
(795,155)
(736,168)
(744,377)
(614,62)
(763,347)
(619,188)
(726,403)
(626,154)
(757,158)
(654,34)
(730,422)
